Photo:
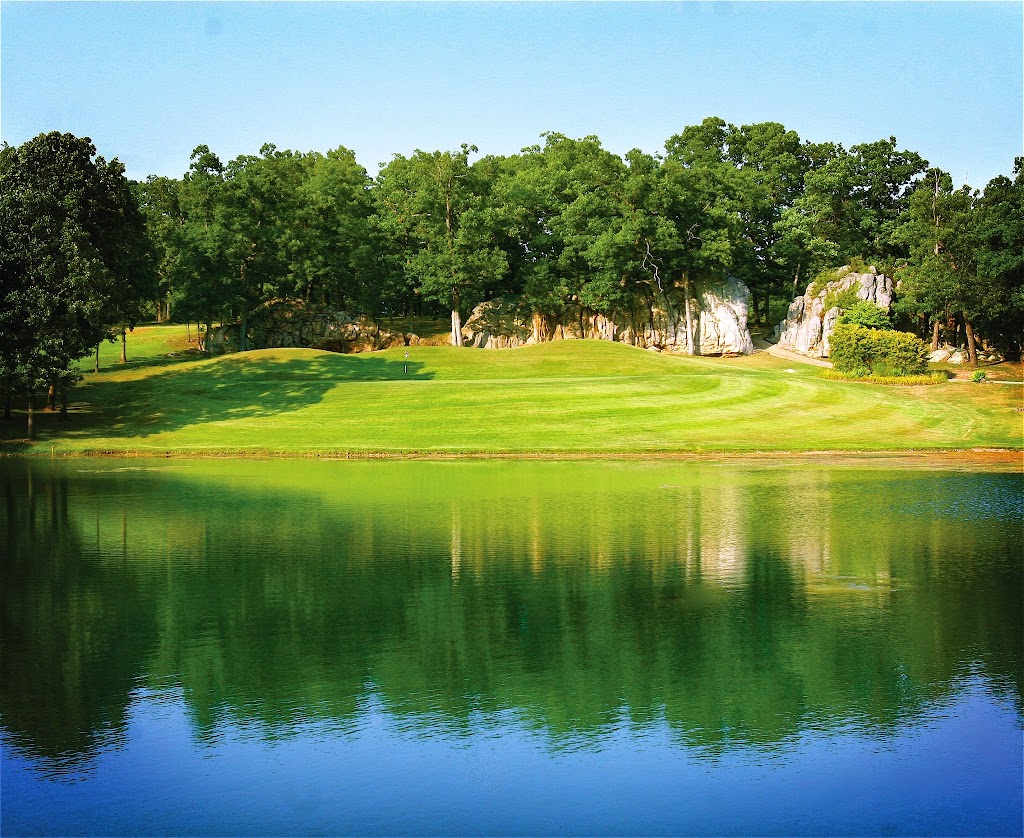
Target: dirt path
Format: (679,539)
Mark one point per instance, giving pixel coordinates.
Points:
(762,345)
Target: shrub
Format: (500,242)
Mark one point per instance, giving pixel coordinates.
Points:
(857,265)
(822,279)
(978,376)
(866,313)
(843,300)
(857,350)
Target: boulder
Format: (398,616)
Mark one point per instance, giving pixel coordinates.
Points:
(723,319)
(809,324)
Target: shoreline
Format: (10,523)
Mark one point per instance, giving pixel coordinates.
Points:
(988,458)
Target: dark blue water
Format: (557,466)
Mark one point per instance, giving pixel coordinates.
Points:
(509,648)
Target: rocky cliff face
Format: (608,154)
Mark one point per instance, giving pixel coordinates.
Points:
(718,312)
(812,317)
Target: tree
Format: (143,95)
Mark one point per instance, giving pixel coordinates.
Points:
(1000,255)
(333,251)
(851,205)
(73,246)
(160,201)
(702,194)
(964,258)
(197,244)
(436,203)
(765,166)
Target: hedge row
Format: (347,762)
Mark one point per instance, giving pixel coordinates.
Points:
(859,351)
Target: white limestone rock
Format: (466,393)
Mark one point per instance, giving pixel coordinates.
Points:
(718,310)
(808,325)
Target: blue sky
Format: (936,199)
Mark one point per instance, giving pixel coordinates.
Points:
(150,81)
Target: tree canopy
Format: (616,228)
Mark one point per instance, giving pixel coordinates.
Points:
(86,253)
(74,259)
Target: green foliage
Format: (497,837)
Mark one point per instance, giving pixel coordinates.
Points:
(821,280)
(575,594)
(979,376)
(851,203)
(865,313)
(859,351)
(828,275)
(436,204)
(857,265)
(845,299)
(75,262)
(964,255)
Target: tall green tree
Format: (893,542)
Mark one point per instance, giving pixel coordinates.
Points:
(1000,254)
(333,251)
(72,247)
(200,240)
(703,205)
(851,205)
(437,204)
(945,276)
(761,167)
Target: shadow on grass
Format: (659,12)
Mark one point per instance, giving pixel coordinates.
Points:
(241,386)
(85,366)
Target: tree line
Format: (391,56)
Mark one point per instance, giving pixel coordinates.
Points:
(86,253)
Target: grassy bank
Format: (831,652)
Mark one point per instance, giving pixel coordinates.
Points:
(566,397)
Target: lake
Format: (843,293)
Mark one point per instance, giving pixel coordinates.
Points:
(518,647)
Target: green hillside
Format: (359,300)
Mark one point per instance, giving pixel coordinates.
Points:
(563,397)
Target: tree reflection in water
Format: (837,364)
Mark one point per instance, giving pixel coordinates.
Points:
(734,606)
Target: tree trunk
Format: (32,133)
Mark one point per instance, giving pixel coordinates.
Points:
(242,343)
(188,332)
(51,397)
(206,337)
(31,416)
(972,348)
(688,314)
(796,280)
(97,367)
(63,402)
(767,308)
(456,328)
(936,330)
(124,347)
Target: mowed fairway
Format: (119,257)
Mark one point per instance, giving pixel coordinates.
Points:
(564,397)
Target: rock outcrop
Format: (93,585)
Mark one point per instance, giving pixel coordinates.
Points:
(812,317)
(287,323)
(718,314)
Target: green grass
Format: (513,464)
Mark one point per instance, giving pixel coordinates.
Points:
(562,397)
(146,345)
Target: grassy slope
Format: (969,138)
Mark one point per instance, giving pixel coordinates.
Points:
(570,396)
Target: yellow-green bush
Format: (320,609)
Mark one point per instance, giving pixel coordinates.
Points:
(859,351)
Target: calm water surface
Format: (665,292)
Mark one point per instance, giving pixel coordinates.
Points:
(287,647)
